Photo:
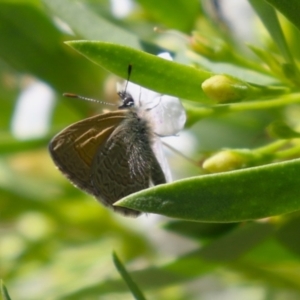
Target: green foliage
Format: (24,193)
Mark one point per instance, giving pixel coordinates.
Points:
(149,71)
(243,112)
(226,197)
(4,292)
(126,277)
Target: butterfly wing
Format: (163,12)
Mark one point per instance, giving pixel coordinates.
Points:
(74,149)
(126,164)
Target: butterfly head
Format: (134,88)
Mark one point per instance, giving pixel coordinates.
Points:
(127,100)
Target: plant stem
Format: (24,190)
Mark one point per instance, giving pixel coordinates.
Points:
(202,111)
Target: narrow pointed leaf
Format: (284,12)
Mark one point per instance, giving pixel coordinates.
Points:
(234,196)
(136,292)
(4,292)
(290,9)
(201,231)
(161,75)
(269,18)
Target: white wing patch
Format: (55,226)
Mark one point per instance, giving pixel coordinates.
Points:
(165,114)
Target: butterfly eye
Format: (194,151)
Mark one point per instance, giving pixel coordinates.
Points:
(127,100)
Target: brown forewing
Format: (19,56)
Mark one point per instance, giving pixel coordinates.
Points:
(74,148)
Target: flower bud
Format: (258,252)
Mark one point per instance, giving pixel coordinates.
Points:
(212,49)
(227,160)
(224,88)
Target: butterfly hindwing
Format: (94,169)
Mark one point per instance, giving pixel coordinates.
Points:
(125,163)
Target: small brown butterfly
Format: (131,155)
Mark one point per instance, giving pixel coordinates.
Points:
(109,155)
(112,155)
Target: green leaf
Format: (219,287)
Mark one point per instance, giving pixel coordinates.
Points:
(136,292)
(199,230)
(234,196)
(25,48)
(272,61)
(169,12)
(238,242)
(268,16)
(252,242)
(288,234)
(161,75)
(280,129)
(4,292)
(89,25)
(290,9)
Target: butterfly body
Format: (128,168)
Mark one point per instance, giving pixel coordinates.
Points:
(110,155)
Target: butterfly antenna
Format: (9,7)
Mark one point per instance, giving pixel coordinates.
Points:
(128,76)
(69,95)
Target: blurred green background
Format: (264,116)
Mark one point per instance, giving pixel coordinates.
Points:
(56,242)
